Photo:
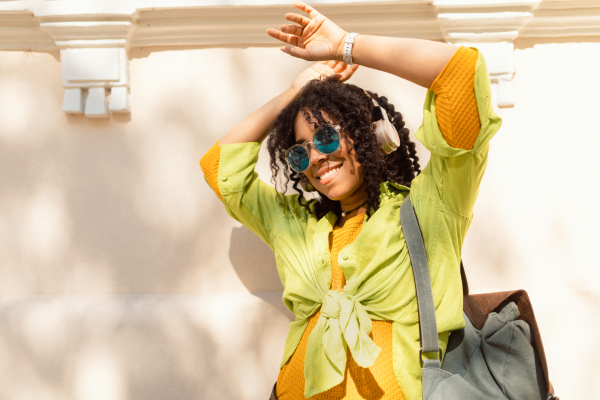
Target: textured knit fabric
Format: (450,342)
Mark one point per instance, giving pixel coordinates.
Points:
(375,382)
(376,265)
(456,104)
(210,166)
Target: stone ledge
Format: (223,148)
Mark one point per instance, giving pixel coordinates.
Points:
(88,32)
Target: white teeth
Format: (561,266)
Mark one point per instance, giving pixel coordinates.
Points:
(329,173)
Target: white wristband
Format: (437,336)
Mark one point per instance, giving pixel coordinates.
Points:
(348,44)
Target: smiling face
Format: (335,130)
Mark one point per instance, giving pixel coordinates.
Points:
(338,175)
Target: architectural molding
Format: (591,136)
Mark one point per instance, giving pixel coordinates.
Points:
(95,38)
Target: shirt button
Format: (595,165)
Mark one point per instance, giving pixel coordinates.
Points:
(345,256)
(224,177)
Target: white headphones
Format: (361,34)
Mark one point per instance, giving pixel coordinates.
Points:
(386,132)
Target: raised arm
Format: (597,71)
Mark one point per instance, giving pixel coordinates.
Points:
(255,127)
(318,38)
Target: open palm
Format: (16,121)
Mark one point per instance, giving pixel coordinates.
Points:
(316,38)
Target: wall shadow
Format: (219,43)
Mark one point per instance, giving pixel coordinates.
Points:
(254,263)
(132,347)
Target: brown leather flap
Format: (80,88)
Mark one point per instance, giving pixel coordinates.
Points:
(478,306)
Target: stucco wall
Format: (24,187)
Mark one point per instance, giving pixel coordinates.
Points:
(122,277)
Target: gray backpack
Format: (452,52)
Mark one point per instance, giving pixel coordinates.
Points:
(498,355)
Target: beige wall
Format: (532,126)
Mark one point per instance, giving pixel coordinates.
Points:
(122,277)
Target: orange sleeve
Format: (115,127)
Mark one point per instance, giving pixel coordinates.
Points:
(456,105)
(210,166)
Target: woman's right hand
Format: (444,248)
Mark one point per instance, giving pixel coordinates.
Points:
(316,38)
(324,69)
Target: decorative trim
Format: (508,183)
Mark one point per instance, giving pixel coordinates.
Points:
(94,71)
(92,33)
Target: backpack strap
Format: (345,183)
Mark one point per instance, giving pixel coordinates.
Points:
(418,258)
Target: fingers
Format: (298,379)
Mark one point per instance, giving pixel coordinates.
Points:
(340,66)
(291,39)
(336,66)
(348,72)
(338,70)
(297,18)
(296,52)
(306,8)
(292,29)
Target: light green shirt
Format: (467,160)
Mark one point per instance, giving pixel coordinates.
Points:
(376,265)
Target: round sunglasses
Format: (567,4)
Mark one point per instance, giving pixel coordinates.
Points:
(326,140)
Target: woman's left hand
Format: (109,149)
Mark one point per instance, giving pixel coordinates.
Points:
(338,70)
(317,38)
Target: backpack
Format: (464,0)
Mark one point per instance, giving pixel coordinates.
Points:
(497,356)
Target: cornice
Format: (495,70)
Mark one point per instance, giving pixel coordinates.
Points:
(108,30)
(51,25)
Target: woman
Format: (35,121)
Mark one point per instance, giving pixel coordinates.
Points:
(342,256)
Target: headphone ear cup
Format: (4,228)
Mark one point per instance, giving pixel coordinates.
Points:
(386,133)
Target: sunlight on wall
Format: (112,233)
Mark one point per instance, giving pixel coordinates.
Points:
(240,351)
(536,219)
(165,195)
(24,92)
(46,329)
(44,229)
(98,375)
(17,100)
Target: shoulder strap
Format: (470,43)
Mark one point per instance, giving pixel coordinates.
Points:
(418,258)
(475,306)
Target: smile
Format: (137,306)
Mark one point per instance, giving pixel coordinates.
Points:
(329,175)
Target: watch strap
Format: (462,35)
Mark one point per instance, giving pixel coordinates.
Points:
(348,45)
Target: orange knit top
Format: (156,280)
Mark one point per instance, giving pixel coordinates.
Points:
(377,381)
(458,119)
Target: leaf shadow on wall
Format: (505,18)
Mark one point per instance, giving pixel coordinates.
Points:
(254,263)
(103,227)
(117,328)
(158,349)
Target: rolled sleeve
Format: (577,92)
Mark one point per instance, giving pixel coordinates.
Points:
(249,200)
(210,166)
(453,174)
(430,133)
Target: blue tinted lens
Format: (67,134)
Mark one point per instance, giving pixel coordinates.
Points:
(298,158)
(326,140)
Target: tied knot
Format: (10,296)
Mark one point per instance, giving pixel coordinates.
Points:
(344,323)
(331,306)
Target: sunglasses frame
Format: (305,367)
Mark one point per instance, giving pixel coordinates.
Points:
(337,128)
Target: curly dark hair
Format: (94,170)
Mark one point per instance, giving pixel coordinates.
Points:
(354,111)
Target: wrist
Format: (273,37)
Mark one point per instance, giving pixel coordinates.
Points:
(348,48)
(339,53)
